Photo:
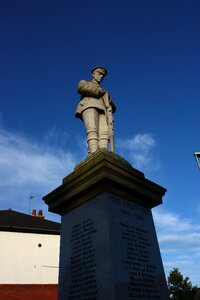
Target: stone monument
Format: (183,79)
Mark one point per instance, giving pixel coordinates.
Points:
(109,248)
(96,110)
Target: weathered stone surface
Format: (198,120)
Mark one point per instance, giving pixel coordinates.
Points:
(109,251)
(103,171)
(109,248)
(95,109)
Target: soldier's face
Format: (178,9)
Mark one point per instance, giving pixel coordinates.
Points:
(98,76)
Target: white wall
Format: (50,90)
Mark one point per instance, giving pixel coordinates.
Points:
(23,261)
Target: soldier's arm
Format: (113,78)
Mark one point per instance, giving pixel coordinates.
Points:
(89,89)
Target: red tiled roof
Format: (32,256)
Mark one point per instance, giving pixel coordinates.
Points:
(11,220)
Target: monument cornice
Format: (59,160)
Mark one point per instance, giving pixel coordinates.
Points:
(103,171)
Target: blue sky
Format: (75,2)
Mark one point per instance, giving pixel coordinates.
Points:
(151,50)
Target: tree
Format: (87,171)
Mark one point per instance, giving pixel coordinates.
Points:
(181,288)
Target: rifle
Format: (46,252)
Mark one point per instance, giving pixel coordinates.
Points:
(110,120)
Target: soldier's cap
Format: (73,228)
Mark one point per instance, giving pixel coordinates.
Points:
(100,69)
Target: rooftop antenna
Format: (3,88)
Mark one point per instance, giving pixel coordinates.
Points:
(197,157)
(30,198)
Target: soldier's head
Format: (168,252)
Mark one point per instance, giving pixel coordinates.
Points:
(98,73)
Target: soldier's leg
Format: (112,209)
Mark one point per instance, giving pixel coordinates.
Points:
(90,117)
(103,132)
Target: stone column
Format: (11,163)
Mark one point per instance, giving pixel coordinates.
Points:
(109,248)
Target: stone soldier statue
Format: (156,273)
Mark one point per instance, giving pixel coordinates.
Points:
(95,109)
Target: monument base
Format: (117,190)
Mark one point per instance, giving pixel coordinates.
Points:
(109,248)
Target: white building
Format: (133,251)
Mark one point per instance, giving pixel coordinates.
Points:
(29,248)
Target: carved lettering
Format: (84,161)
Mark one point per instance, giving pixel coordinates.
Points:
(83,283)
(136,258)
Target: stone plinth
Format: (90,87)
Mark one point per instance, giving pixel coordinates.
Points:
(109,248)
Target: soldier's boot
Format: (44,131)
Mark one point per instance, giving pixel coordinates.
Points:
(92,140)
(103,140)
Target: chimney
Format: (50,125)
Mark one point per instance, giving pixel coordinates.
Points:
(40,214)
(34,212)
